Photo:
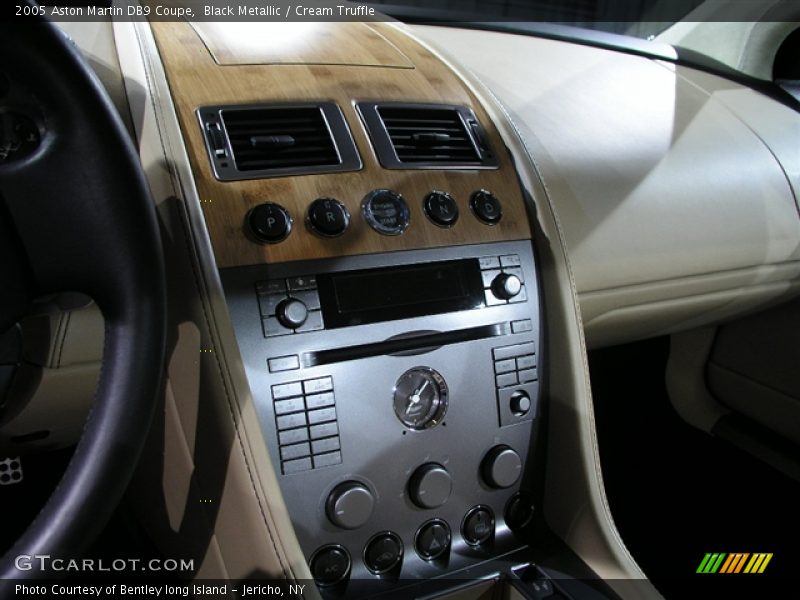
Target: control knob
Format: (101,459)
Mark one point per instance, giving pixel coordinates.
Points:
(506,286)
(430,486)
(350,505)
(502,467)
(291,313)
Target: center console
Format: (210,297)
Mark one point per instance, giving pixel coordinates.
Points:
(398,395)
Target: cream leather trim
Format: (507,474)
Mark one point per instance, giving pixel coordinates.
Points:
(576,507)
(250,531)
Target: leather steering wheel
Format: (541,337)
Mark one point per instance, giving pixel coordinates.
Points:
(76,215)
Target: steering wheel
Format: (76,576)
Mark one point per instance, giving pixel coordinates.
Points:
(76,215)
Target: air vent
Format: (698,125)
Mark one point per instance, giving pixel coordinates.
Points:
(251,142)
(431,136)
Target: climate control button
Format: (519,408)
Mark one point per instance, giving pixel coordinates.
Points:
(330,565)
(430,486)
(350,505)
(383,552)
(502,467)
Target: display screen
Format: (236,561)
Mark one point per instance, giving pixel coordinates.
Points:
(370,296)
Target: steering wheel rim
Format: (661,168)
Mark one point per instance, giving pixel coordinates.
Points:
(82,220)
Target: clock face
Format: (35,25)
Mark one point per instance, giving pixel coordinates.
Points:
(420,398)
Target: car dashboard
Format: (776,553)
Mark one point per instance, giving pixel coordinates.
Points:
(388,249)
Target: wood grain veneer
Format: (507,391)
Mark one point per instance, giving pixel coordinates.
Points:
(197,80)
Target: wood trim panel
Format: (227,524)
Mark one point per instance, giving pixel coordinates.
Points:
(298,43)
(197,80)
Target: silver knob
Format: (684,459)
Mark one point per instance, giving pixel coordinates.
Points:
(506,286)
(430,486)
(350,505)
(291,313)
(502,467)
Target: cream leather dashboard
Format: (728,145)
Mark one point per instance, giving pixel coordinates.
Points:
(676,189)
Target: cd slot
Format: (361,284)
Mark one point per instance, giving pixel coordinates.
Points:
(425,341)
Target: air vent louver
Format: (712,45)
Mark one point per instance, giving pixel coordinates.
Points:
(267,141)
(426,136)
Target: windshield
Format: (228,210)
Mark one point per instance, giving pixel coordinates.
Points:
(719,30)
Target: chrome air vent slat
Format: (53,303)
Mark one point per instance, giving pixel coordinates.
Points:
(426,136)
(254,142)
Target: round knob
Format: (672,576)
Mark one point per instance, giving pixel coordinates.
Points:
(350,505)
(328,217)
(430,486)
(486,207)
(291,313)
(502,467)
(478,526)
(270,222)
(520,403)
(506,286)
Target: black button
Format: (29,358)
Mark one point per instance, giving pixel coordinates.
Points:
(432,540)
(441,209)
(330,565)
(478,526)
(383,553)
(486,207)
(328,217)
(270,222)
(519,511)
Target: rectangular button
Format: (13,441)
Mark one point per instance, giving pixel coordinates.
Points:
(295,451)
(293,436)
(521,297)
(321,415)
(292,405)
(515,271)
(510,260)
(287,390)
(319,400)
(488,276)
(506,380)
(295,466)
(505,366)
(303,282)
(313,322)
(268,303)
(314,386)
(512,351)
(273,286)
(324,430)
(283,363)
(526,362)
(326,460)
(489,262)
(291,421)
(308,297)
(272,327)
(521,326)
(326,445)
(491,299)
(528,375)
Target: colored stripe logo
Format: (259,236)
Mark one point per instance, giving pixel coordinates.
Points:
(737,562)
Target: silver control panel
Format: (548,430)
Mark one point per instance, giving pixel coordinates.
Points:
(399,403)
